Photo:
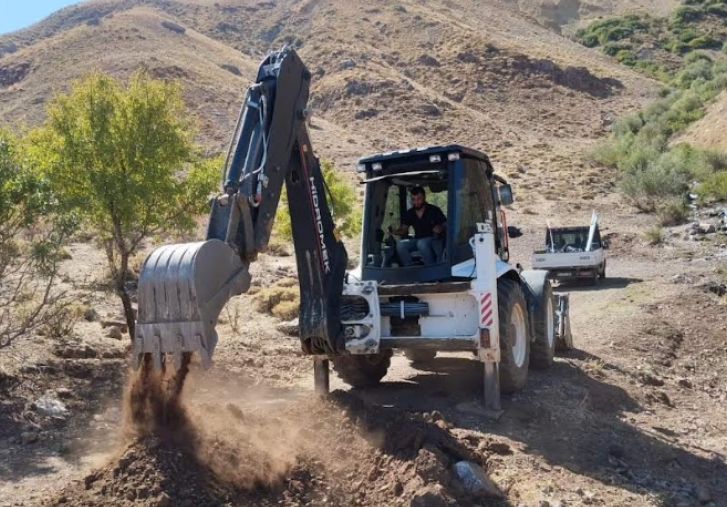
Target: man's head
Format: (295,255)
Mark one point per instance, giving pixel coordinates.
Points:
(418,197)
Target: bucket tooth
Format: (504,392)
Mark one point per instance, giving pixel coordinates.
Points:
(182,290)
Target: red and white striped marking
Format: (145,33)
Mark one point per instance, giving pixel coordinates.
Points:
(486,310)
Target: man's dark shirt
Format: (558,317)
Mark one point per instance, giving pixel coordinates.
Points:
(424,226)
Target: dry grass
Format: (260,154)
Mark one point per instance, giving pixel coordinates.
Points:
(280,301)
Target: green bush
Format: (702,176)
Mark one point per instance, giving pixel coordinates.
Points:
(687,35)
(714,187)
(342,199)
(654,235)
(613,48)
(603,31)
(724,47)
(685,14)
(668,176)
(626,57)
(704,42)
(696,56)
(673,212)
(717,10)
(698,69)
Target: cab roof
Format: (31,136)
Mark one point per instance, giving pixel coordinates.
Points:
(425,151)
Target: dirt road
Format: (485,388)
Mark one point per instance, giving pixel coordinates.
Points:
(634,416)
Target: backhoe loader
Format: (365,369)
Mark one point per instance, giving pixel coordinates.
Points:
(467,299)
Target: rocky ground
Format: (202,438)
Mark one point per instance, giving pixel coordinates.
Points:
(633,416)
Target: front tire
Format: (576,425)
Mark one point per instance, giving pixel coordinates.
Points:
(514,340)
(542,350)
(362,371)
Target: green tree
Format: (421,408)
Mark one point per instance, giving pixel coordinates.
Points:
(344,205)
(32,234)
(123,158)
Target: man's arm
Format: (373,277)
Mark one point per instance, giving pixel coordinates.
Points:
(403,228)
(440,221)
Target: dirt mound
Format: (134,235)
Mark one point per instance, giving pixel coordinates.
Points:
(339,451)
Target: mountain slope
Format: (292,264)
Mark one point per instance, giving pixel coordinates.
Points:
(387,74)
(711,131)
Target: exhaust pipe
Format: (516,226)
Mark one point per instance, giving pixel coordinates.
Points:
(182,290)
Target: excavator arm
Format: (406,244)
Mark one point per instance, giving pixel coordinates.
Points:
(183,288)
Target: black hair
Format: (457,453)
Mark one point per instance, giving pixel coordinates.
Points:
(417,190)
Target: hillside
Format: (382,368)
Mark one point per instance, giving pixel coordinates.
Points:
(387,75)
(565,14)
(711,131)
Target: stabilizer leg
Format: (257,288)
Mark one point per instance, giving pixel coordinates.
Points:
(321,377)
(493,405)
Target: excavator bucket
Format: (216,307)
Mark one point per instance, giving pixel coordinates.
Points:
(182,290)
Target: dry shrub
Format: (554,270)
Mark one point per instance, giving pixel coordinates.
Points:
(268,299)
(279,247)
(60,320)
(654,235)
(287,282)
(286,310)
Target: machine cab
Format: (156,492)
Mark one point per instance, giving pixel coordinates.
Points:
(460,190)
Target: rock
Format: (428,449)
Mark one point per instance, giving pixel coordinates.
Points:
(89,480)
(428,60)
(475,479)
(543,503)
(120,323)
(398,488)
(685,383)
(163,501)
(76,352)
(431,468)
(290,328)
(64,393)
(29,437)
(500,448)
(429,110)
(115,333)
(174,27)
(682,279)
(432,495)
(232,69)
(650,379)
(365,113)
(718,289)
(703,494)
(90,315)
(348,64)
(50,407)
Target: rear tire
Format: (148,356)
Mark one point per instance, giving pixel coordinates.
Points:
(420,356)
(514,340)
(542,350)
(362,371)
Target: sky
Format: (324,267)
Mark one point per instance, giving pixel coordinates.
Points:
(17,14)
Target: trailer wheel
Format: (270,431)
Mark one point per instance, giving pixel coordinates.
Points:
(420,356)
(362,371)
(542,349)
(514,341)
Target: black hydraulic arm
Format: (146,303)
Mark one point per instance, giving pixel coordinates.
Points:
(271,147)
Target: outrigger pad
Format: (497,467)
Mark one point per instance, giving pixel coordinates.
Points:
(182,290)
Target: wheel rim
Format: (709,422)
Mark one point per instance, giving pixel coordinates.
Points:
(550,322)
(520,347)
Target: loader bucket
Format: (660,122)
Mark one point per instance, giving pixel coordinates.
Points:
(182,290)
